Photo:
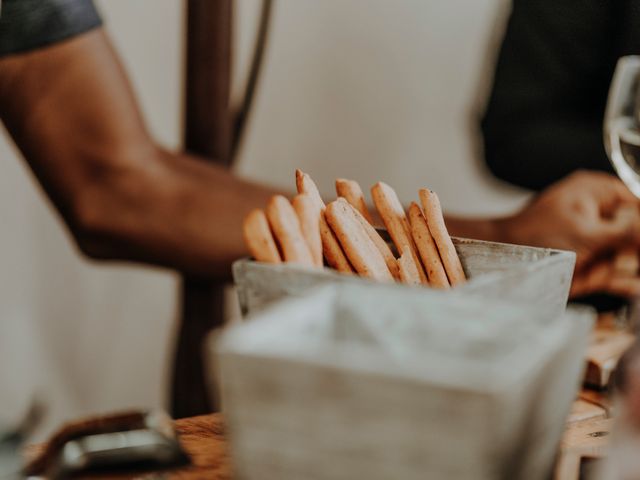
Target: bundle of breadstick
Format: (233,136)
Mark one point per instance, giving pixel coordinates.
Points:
(308,232)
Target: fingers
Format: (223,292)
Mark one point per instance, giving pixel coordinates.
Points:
(258,238)
(608,189)
(603,278)
(621,230)
(359,248)
(626,262)
(286,227)
(394,218)
(309,214)
(438,229)
(352,193)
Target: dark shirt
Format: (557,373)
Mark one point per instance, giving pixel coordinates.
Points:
(544,117)
(29,24)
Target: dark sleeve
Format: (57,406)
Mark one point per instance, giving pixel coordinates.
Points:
(30,24)
(545,112)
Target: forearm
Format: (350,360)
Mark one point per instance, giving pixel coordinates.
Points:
(178,211)
(73,115)
(489,229)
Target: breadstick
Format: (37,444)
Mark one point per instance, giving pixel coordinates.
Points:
(381,245)
(286,227)
(438,229)
(305,184)
(330,246)
(408,272)
(309,218)
(258,237)
(352,193)
(394,218)
(359,248)
(627,262)
(427,248)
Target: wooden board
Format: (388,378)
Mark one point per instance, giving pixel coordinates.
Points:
(607,345)
(600,398)
(583,410)
(588,439)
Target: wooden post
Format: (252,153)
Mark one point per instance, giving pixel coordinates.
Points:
(208,133)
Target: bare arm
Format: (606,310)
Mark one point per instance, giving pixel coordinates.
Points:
(72,113)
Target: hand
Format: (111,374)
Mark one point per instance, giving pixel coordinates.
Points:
(578,214)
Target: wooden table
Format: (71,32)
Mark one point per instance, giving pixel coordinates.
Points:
(586,435)
(204,440)
(202,437)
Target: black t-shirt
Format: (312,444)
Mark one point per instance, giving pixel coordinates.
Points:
(29,24)
(544,117)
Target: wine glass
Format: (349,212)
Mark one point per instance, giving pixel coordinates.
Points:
(622,122)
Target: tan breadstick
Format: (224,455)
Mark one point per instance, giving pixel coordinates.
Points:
(408,271)
(258,237)
(330,246)
(305,184)
(627,261)
(438,229)
(359,248)
(309,218)
(350,190)
(427,248)
(381,245)
(286,228)
(394,218)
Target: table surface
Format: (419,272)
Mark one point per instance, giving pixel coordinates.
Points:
(586,434)
(203,438)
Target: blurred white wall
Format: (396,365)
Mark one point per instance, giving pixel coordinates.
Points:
(367,89)
(377,90)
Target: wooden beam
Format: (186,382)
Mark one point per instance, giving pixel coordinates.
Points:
(207,132)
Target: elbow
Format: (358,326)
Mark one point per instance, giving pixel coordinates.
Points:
(90,234)
(107,207)
(91,220)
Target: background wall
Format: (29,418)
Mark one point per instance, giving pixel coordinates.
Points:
(367,89)
(374,89)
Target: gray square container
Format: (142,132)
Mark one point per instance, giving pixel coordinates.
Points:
(367,381)
(539,276)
